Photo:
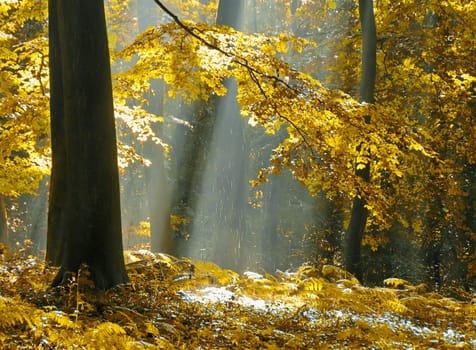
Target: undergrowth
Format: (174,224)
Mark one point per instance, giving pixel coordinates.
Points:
(175,303)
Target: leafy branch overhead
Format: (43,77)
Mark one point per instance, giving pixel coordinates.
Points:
(323,126)
(24,125)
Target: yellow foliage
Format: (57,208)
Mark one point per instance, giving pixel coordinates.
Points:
(418,121)
(176,222)
(311,284)
(24,124)
(143,229)
(223,310)
(395,282)
(14,313)
(215,273)
(421,120)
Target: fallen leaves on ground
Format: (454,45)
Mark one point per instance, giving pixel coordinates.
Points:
(175,303)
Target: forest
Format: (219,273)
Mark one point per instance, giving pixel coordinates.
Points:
(237,174)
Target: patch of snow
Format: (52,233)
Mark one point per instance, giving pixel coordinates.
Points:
(253,275)
(223,295)
(210,295)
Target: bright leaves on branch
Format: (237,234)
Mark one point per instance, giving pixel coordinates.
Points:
(24,123)
(420,141)
(323,126)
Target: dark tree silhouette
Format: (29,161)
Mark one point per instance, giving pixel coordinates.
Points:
(359,214)
(84,223)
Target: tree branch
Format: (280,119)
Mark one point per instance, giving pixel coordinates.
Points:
(253,72)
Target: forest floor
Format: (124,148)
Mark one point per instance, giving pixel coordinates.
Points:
(180,304)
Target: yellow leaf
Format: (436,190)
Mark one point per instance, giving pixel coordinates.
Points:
(311,284)
(395,282)
(398,173)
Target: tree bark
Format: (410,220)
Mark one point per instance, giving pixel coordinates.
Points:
(359,214)
(3,222)
(58,170)
(229,13)
(158,186)
(84,223)
(198,141)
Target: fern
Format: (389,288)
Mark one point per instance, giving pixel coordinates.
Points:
(311,284)
(107,335)
(396,283)
(106,330)
(303,308)
(15,313)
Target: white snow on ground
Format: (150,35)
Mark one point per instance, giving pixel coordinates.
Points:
(211,294)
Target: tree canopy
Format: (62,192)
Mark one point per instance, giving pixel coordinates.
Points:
(320,131)
(299,82)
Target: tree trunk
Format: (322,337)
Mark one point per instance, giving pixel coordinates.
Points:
(233,157)
(156,174)
(84,223)
(36,217)
(3,222)
(198,141)
(229,13)
(57,195)
(359,214)
(159,192)
(190,168)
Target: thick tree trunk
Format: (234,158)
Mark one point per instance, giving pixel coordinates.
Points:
(230,13)
(197,142)
(359,214)
(84,218)
(156,175)
(233,156)
(55,226)
(190,168)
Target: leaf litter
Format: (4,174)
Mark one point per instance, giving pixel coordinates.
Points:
(174,303)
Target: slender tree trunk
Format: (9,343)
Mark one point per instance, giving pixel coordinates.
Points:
(231,161)
(470,220)
(37,217)
(369,50)
(232,182)
(3,222)
(359,214)
(84,218)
